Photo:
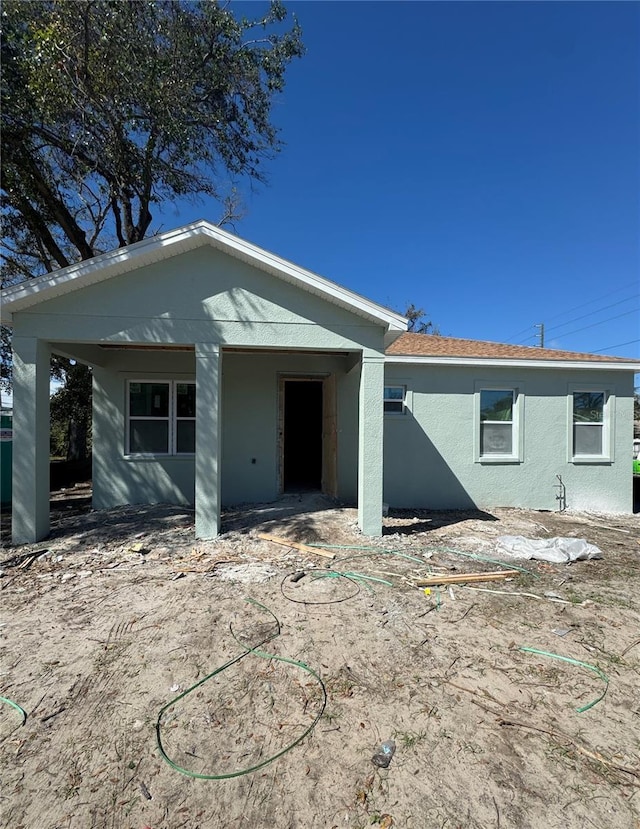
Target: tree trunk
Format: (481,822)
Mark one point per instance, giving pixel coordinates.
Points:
(77,447)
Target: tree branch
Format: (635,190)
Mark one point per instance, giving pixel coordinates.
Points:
(39,229)
(115,207)
(59,210)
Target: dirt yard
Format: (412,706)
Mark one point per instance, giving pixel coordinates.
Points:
(121,612)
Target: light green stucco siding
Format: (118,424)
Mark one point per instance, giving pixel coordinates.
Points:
(211,302)
(430,452)
(200,296)
(249,423)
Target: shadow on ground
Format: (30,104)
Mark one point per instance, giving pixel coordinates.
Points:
(299,513)
(410,522)
(297,516)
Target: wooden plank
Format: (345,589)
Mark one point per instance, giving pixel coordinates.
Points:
(286,542)
(459,578)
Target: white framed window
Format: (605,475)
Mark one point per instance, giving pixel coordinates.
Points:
(498,426)
(395,400)
(590,419)
(185,418)
(161,417)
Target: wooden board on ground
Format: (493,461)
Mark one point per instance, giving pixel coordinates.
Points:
(286,542)
(460,578)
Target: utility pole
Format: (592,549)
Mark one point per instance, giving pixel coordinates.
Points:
(540,325)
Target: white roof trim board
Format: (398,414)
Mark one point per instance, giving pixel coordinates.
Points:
(164,246)
(512,362)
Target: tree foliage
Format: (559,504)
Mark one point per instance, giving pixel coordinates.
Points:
(71,413)
(113,107)
(418,323)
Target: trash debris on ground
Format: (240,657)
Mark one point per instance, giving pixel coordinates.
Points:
(384,754)
(24,560)
(464,577)
(556,550)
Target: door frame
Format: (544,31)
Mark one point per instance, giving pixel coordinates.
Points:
(329,478)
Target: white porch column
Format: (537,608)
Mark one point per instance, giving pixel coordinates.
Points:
(208,442)
(30,513)
(370,438)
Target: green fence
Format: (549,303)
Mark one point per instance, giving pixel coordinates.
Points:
(6,454)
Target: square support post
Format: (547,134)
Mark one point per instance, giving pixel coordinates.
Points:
(208,439)
(370,445)
(30,512)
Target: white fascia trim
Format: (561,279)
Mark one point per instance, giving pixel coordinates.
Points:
(512,363)
(165,245)
(104,263)
(317,284)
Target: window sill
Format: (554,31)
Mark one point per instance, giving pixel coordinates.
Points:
(159,457)
(499,459)
(590,459)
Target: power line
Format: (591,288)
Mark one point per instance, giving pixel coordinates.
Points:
(617,345)
(601,322)
(591,301)
(578,307)
(524,330)
(591,313)
(582,316)
(585,327)
(526,339)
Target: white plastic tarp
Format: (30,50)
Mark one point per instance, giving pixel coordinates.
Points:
(556,550)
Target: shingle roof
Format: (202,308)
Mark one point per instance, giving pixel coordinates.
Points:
(429,345)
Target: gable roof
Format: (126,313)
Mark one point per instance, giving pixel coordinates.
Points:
(166,245)
(429,348)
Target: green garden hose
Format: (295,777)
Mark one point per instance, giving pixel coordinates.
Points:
(17,707)
(580,664)
(247,651)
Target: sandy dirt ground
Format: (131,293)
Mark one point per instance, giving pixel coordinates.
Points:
(122,611)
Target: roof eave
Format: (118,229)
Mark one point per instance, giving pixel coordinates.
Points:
(601,365)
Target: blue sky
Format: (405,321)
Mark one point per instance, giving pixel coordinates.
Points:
(481,160)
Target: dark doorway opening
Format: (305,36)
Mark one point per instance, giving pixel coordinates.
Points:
(302,435)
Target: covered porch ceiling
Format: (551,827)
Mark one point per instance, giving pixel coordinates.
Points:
(98,353)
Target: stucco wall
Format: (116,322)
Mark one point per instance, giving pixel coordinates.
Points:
(207,297)
(429,458)
(116,479)
(199,296)
(249,427)
(250,423)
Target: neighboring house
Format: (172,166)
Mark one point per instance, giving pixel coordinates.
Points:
(224,374)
